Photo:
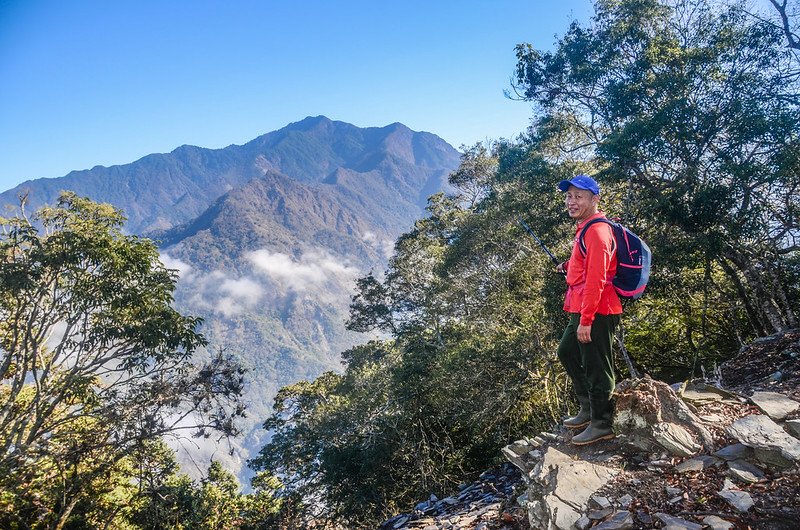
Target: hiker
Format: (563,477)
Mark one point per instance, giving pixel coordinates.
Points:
(594,308)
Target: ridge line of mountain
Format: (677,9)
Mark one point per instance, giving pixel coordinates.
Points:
(163,190)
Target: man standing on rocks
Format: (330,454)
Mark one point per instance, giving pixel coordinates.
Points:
(594,308)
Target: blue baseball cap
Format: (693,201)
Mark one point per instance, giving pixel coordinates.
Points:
(583,182)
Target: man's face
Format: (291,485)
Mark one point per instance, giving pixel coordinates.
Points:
(581,204)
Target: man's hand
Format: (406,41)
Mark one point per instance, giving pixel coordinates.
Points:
(561,268)
(584,333)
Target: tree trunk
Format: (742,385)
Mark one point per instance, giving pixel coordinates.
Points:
(620,335)
(752,314)
(65,513)
(782,299)
(757,276)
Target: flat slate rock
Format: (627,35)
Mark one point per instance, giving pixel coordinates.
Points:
(584,523)
(601,502)
(741,500)
(512,455)
(621,520)
(675,439)
(676,523)
(569,484)
(734,452)
(776,406)
(717,523)
(697,464)
(760,432)
(793,426)
(520,447)
(773,458)
(701,393)
(745,471)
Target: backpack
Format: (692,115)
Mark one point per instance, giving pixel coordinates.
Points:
(633,259)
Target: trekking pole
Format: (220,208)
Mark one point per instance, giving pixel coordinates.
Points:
(528,228)
(620,335)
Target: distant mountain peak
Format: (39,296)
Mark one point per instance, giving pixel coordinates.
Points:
(313,120)
(397,126)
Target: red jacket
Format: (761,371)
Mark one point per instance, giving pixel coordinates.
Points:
(589,290)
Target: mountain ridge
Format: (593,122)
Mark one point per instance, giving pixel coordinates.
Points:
(162,190)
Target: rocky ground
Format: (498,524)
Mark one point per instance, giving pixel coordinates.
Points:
(730,461)
(771,363)
(489,502)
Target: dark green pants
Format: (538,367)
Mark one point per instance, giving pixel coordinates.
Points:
(591,366)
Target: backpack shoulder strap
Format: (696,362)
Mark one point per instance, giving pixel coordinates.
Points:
(582,244)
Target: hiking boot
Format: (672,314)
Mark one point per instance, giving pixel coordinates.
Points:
(582,418)
(595,432)
(600,427)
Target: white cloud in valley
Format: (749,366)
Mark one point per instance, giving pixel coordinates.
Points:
(316,273)
(237,294)
(383,245)
(216,291)
(312,270)
(185,271)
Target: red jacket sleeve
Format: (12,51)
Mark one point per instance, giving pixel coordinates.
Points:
(599,241)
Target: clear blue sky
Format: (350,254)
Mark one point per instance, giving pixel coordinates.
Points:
(84,83)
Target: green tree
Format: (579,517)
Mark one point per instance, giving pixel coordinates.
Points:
(165,498)
(169,499)
(694,106)
(474,175)
(302,435)
(95,362)
(262,508)
(218,500)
